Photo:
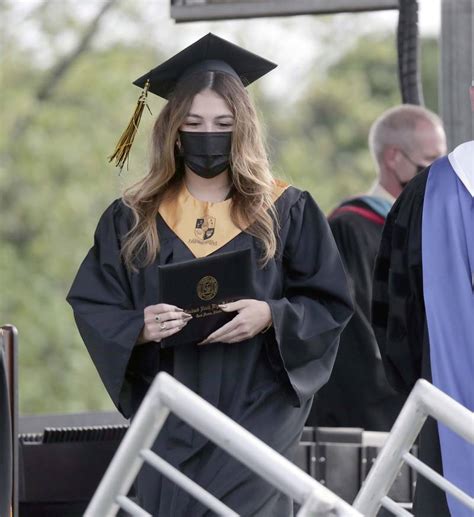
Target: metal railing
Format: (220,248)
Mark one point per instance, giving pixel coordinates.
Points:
(165,395)
(424,400)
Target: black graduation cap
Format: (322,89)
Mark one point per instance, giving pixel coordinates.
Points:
(209,53)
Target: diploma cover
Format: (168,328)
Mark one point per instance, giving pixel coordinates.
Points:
(199,285)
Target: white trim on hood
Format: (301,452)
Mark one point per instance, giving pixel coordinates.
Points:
(462,161)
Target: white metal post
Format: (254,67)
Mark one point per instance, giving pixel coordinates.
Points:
(166,394)
(127,462)
(187,484)
(425,399)
(244,446)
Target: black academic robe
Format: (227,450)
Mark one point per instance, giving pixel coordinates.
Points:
(266,384)
(358,393)
(399,322)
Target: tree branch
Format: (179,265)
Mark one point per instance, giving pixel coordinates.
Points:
(59,71)
(62,67)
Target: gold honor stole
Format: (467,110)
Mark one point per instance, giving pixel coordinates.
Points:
(203,226)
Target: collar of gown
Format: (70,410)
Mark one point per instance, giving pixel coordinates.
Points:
(203,226)
(462,161)
(378,191)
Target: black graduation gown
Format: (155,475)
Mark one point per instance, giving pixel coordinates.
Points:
(399,321)
(358,393)
(266,384)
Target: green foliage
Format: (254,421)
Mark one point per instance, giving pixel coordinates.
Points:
(55,184)
(56,181)
(322,144)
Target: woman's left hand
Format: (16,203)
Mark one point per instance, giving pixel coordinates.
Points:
(253,316)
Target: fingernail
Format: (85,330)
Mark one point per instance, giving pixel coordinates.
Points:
(186,315)
(222,305)
(180,310)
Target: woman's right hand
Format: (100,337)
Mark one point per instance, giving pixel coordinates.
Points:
(161,321)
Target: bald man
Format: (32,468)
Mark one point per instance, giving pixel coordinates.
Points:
(403,141)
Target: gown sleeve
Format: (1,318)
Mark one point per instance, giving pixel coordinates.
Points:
(105,315)
(316,304)
(397,298)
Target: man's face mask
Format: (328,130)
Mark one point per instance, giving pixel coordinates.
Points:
(419,169)
(207,154)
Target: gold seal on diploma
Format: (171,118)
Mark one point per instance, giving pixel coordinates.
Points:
(207,288)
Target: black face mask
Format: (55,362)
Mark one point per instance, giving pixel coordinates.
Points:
(207,154)
(419,169)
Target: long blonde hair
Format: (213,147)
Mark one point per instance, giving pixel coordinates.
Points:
(252,205)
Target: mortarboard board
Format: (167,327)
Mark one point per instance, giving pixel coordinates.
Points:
(209,53)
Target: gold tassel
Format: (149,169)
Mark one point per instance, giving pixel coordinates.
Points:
(122,149)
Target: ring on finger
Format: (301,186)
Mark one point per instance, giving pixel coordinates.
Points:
(162,326)
(157,318)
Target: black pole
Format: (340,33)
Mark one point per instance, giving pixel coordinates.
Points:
(408,53)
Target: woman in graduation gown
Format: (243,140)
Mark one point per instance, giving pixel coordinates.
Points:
(264,366)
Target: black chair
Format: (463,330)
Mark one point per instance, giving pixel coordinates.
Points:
(339,435)
(305,457)
(332,456)
(341,457)
(338,468)
(8,420)
(403,487)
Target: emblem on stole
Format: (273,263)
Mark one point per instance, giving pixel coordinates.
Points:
(205,227)
(207,288)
